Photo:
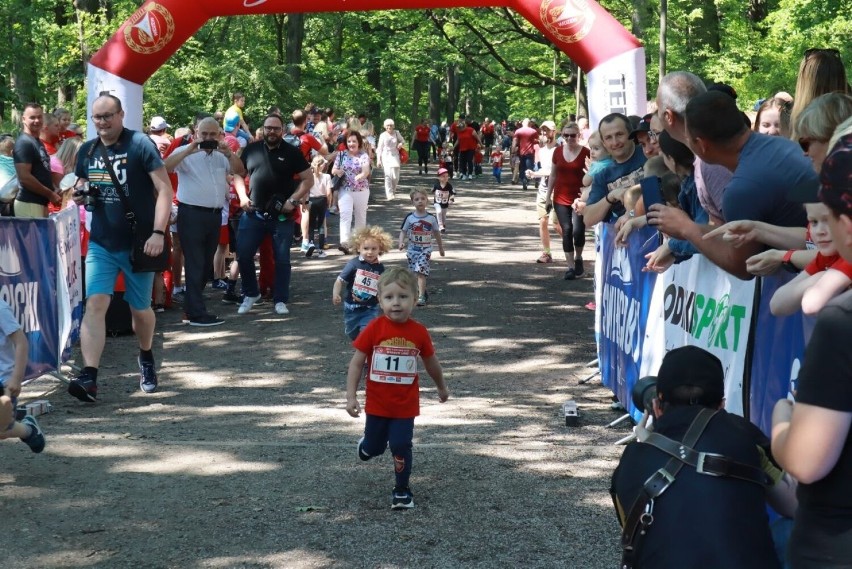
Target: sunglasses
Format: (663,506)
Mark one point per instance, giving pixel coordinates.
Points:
(805,142)
(824,51)
(570,135)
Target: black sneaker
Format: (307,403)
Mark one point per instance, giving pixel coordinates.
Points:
(206,320)
(578,267)
(36,439)
(402,499)
(361,454)
(147,376)
(309,250)
(84,388)
(232,298)
(570,274)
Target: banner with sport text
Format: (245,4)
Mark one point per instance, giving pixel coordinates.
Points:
(696,303)
(623,298)
(31,268)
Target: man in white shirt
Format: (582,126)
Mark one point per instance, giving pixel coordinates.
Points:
(202,167)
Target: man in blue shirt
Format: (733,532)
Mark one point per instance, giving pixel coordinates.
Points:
(611,183)
(765,169)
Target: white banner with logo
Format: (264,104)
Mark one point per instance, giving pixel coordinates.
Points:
(696,303)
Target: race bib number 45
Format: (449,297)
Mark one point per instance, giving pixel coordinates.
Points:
(392,364)
(366,283)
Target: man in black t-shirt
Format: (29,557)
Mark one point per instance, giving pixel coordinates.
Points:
(32,165)
(812,439)
(275,168)
(700,520)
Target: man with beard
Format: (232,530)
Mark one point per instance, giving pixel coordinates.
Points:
(274,167)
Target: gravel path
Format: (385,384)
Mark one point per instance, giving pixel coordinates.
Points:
(246,457)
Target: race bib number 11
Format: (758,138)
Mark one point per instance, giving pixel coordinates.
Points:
(394,365)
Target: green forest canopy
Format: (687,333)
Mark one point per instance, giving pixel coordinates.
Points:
(405,64)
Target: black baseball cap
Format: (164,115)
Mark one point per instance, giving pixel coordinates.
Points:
(691,367)
(643,126)
(836,177)
(723,88)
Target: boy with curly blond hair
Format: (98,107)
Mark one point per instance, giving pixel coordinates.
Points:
(360,277)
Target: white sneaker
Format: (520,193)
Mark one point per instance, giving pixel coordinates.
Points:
(281,308)
(248,302)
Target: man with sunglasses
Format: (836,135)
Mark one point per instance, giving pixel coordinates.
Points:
(280,179)
(136,165)
(646,137)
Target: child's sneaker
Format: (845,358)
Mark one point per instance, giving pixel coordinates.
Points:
(321,254)
(545,258)
(36,439)
(402,499)
(361,454)
(421,300)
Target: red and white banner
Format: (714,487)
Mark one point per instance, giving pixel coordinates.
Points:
(588,34)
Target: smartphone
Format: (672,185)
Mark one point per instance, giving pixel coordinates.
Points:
(651,193)
(209,144)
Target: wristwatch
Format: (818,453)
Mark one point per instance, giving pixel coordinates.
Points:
(294,202)
(787,262)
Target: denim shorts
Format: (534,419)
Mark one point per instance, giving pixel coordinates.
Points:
(102,269)
(356,318)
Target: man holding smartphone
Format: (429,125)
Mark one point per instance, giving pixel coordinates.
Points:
(202,167)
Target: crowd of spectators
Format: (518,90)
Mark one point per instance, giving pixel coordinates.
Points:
(733,188)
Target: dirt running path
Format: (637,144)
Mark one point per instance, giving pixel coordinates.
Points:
(246,457)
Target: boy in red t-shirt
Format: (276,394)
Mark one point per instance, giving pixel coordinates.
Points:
(824,278)
(392,342)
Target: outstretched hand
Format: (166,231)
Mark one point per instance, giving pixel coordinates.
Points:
(737,233)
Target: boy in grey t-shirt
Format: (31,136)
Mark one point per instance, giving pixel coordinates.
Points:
(14,350)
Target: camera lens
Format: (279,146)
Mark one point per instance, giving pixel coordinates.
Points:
(644,392)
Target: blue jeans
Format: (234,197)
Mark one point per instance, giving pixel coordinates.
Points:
(527,163)
(398,434)
(356,318)
(252,230)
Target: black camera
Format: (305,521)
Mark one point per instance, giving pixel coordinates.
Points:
(208,145)
(644,392)
(89,194)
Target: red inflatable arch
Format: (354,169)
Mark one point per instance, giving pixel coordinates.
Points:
(612,58)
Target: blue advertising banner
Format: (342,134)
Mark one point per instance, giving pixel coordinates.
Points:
(623,302)
(28,285)
(779,344)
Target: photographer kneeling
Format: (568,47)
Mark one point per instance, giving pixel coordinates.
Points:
(693,493)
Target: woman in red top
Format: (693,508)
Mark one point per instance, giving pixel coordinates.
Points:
(421,145)
(466,142)
(563,187)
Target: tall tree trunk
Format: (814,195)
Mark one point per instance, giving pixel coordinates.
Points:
(295,42)
(23,77)
(416,95)
(374,75)
(664,13)
(580,95)
(452,92)
(435,100)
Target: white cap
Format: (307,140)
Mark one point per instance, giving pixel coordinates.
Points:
(159,123)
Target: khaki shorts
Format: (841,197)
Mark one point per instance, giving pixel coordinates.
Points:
(25,209)
(541,211)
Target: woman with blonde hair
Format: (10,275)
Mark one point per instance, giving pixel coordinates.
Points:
(817,122)
(387,157)
(821,71)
